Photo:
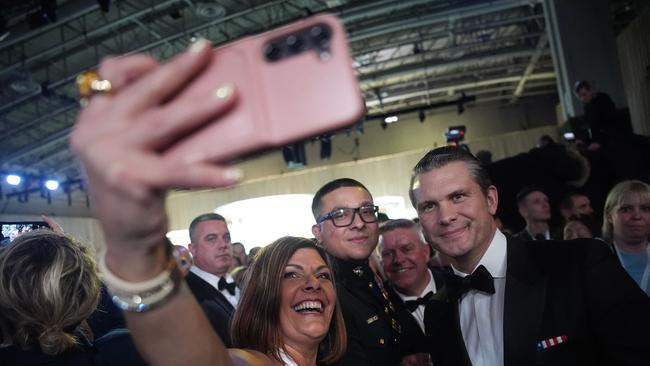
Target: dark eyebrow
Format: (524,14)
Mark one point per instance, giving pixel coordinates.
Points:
(421,204)
(364,203)
(297,266)
(338,208)
(457,192)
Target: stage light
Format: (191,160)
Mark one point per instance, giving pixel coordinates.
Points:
(391,119)
(52,184)
(461,108)
(455,134)
(13,179)
(294,155)
(326,147)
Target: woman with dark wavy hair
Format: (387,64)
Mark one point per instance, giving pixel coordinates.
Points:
(288,311)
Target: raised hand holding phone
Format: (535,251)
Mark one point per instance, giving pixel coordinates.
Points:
(118,138)
(171,125)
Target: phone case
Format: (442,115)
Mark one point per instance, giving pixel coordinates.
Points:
(282,96)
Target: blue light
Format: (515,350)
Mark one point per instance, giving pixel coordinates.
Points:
(52,185)
(13,179)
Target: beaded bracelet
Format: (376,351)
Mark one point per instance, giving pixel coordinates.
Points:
(141,296)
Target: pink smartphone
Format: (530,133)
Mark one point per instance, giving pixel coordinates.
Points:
(292,83)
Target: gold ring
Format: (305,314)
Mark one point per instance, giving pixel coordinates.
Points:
(89,83)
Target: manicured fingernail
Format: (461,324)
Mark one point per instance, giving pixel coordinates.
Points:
(199,45)
(234,174)
(224,91)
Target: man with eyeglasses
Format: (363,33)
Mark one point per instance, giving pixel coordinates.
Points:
(347,227)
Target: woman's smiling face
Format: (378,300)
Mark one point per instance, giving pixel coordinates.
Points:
(308,299)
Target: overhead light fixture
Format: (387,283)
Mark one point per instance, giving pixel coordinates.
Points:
(294,155)
(391,119)
(23,83)
(461,102)
(105,5)
(209,9)
(52,184)
(43,16)
(14,179)
(326,147)
(461,108)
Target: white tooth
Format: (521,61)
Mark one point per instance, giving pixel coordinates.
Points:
(309,305)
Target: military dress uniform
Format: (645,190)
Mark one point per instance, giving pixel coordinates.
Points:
(373,331)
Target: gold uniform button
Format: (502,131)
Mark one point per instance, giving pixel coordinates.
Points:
(381,341)
(370,284)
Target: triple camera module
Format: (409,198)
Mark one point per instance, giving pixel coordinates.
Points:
(315,38)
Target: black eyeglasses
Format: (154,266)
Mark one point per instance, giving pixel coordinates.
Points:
(344,216)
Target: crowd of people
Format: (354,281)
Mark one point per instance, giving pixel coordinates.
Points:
(449,289)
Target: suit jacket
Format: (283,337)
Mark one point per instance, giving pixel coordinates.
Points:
(215,306)
(524,235)
(576,290)
(436,312)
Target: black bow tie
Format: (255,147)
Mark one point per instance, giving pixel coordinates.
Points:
(480,280)
(223,285)
(412,305)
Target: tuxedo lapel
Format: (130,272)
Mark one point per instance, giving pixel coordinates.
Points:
(523,306)
(202,290)
(221,300)
(405,317)
(442,325)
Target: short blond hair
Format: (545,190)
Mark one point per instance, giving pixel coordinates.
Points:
(616,195)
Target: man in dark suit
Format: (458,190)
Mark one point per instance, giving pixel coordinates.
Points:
(535,208)
(523,303)
(347,227)
(208,278)
(417,289)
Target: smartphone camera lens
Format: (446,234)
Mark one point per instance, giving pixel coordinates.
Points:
(295,43)
(320,34)
(272,52)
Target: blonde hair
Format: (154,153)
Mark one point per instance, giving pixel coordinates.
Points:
(49,284)
(256,324)
(616,195)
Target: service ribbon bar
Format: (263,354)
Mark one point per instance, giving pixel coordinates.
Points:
(551,342)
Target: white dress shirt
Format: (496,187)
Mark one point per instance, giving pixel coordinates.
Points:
(481,314)
(418,314)
(214,281)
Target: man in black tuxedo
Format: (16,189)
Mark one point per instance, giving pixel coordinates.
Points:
(208,278)
(522,303)
(417,289)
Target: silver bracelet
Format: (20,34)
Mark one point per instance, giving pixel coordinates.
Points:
(141,296)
